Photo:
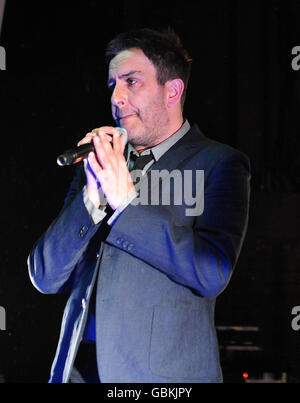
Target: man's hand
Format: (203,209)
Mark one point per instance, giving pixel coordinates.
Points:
(107,166)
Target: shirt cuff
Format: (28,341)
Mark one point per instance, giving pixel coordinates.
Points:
(122,207)
(96,214)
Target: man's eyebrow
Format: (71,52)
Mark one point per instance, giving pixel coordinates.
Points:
(130,73)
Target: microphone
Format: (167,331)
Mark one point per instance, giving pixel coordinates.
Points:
(76,155)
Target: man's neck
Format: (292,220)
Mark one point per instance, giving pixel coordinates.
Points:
(172,130)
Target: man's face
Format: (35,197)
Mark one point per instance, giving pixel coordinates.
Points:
(138,100)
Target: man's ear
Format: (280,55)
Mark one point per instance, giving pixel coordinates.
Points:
(174,91)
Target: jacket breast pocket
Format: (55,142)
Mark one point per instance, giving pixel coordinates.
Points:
(180,343)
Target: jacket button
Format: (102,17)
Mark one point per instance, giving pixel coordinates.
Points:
(125,244)
(83,231)
(130,246)
(83,303)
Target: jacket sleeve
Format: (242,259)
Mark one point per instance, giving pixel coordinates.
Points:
(54,256)
(202,253)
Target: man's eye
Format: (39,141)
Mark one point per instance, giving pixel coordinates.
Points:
(131,81)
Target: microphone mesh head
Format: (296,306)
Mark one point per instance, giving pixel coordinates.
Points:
(62,160)
(122,130)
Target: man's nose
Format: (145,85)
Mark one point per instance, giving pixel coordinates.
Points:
(119,96)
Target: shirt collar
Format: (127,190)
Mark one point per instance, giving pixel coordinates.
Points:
(164,146)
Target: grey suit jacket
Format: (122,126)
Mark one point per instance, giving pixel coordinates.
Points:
(157,273)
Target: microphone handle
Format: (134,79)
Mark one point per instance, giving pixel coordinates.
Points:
(75,155)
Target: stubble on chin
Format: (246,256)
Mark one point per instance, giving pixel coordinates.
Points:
(149,135)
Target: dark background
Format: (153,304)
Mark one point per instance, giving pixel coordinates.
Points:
(243,92)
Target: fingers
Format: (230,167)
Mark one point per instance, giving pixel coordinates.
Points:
(108,131)
(119,141)
(86,139)
(89,136)
(105,153)
(110,153)
(107,166)
(108,156)
(107,140)
(108,159)
(103,149)
(95,167)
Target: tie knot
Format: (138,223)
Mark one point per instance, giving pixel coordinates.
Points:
(141,161)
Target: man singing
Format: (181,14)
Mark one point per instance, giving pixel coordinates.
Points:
(143,277)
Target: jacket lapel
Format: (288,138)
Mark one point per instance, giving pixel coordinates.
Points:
(180,151)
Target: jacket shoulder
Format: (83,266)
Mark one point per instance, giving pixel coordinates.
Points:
(211,151)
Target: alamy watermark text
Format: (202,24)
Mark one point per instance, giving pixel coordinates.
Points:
(2,58)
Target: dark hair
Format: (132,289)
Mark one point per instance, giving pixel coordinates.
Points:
(163,49)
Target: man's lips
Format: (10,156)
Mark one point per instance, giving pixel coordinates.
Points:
(126,116)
